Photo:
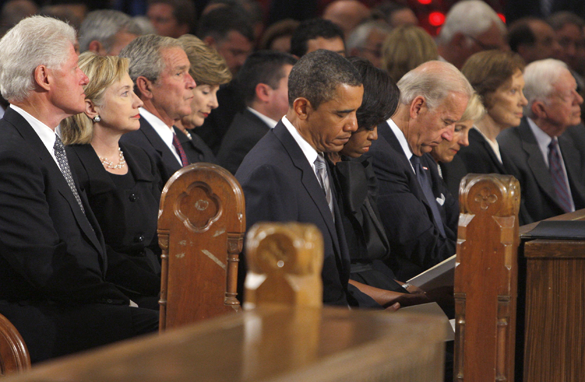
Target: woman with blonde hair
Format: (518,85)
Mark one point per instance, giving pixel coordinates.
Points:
(122,181)
(405,48)
(209,70)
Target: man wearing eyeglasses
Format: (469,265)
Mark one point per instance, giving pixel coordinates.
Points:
(547,162)
(470,27)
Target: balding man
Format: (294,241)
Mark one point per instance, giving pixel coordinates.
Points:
(53,260)
(348,14)
(470,27)
(547,163)
(433,98)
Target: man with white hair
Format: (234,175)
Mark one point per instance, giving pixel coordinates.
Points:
(53,260)
(106,32)
(547,163)
(470,27)
(433,98)
(366,41)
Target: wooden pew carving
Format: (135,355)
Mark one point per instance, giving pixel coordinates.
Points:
(201,227)
(486,278)
(14,356)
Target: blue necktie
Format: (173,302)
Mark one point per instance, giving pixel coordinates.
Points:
(425,184)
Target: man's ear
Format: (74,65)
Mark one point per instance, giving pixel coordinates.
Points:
(416,106)
(90,109)
(210,41)
(42,77)
(302,108)
(263,92)
(459,40)
(97,47)
(144,86)
(539,109)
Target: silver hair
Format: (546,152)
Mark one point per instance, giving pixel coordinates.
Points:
(102,26)
(434,80)
(471,18)
(145,55)
(540,77)
(34,41)
(359,36)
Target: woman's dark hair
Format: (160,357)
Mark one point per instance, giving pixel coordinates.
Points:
(381,94)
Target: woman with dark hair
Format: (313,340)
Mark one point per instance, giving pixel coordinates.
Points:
(357,189)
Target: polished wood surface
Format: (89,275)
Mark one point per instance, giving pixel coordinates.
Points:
(272,343)
(201,228)
(486,278)
(14,356)
(284,265)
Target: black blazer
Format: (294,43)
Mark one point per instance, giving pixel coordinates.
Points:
(53,260)
(280,186)
(528,166)
(147,138)
(415,240)
(244,132)
(194,147)
(127,217)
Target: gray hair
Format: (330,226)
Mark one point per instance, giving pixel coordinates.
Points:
(434,80)
(103,25)
(471,18)
(317,75)
(34,41)
(539,78)
(359,36)
(145,55)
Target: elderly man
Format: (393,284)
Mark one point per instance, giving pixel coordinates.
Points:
(433,98)
(106,32)
(366,41)
(264,83)
(470,27)
(159,68)
(547,164)
(285,176)
(53,260)
(348,14)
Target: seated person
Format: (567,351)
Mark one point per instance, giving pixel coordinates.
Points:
(121,181)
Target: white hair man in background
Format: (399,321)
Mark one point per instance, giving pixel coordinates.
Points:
(106,32)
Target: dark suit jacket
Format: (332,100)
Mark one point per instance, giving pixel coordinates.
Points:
(415,240)
(194,147)
(147,138)
(244,132)
(280,186)
(528,166)
(127,216)
(52,257)
(452,173)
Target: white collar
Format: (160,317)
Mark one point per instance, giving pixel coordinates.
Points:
(269,121)
(542,138)
(310,153)
(45,133)
(402,140)
(165,132)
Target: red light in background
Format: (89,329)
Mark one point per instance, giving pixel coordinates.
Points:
(425,2)
(436,18)
(502,17)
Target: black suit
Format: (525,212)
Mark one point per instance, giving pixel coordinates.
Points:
(528,166)
(52,257)
(126,208)
(244,132)
(194,147)
(416,242)
(280,186)
(147,138)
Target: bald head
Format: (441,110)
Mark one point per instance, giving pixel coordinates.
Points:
(348,14)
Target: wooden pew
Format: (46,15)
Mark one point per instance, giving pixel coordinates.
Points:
(519,298)
(276,341)
(201,228)
(14,356)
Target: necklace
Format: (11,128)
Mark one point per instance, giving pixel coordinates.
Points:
(111,165)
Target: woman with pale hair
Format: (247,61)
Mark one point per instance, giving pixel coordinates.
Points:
(209,70)
(405,48)
(122,181)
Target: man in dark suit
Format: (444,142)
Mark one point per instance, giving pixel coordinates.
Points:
(53,260)
(159,68)
(264,83)
(547,163)
(285,178)
(433,98)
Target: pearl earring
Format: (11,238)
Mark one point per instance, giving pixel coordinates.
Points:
(96,119)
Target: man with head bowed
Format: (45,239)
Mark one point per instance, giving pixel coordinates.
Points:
(53,261)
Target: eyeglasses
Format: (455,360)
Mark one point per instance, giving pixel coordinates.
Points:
(482,45)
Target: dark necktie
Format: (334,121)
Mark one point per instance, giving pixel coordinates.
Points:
(180,150)
(323,177)
(425,184)
(61,156)
(558,176)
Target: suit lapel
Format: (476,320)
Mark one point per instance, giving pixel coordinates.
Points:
(157,143)
(480,139)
